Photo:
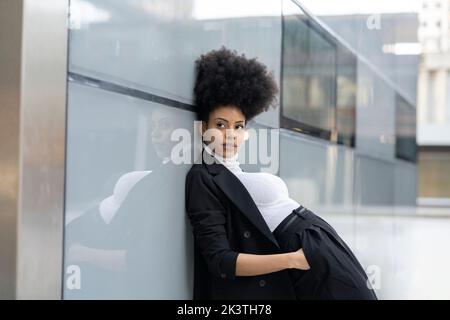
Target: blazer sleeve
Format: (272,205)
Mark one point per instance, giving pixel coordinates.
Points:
(207,217)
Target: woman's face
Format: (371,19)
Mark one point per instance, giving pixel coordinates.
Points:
(226,130)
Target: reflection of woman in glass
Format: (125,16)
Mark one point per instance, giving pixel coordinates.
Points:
(251,240)
(109,241)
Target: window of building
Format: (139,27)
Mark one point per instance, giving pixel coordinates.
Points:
(318,95)
(434,172)
(346,96)
(405,123)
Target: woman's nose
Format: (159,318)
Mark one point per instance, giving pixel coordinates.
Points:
(230,134)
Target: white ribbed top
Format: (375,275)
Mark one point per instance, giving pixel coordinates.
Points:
(269,192)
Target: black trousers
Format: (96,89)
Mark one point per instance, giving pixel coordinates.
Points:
(334,272)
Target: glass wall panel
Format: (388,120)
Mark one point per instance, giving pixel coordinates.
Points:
(346,96)
(308,76)
(405,143)
(126,234)
(319,79)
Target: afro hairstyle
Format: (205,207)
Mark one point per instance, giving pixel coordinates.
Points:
(225,78)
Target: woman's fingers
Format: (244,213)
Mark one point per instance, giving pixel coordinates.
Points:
(302,263)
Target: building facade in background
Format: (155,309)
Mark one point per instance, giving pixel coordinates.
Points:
(433,103)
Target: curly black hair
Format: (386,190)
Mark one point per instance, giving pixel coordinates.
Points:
(226,78)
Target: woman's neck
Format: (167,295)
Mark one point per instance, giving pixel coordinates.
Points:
(229,162)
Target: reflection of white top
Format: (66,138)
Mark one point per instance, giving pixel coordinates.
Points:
(269,192)
(109,206)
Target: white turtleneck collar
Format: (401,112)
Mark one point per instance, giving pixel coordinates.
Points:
(230,162)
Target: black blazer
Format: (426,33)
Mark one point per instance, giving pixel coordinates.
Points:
(225,221)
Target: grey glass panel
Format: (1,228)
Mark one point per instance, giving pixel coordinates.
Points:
(375,124)
(309,74)
(377,30)
(405,143)
(317,174)
(346,96)
(126,233)
(374,182)
(152,45)
(405,183)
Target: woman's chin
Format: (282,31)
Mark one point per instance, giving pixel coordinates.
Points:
(228,154)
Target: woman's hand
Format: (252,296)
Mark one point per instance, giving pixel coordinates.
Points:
(298,260)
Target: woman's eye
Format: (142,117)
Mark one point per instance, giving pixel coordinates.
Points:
(220,125)
(239,126)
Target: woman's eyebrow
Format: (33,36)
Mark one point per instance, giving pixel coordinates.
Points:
(227,120)
(222,119)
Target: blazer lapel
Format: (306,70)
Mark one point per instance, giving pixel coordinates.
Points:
(238,194)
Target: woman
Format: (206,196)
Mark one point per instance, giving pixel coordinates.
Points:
(251,240)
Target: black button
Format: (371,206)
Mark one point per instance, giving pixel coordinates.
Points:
(223,275)
(247,234)
(262,283)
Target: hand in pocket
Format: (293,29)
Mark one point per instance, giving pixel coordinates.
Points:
(299,260)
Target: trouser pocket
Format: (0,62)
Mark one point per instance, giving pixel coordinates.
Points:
(309,283)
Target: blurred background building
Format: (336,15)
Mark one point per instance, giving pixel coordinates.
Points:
(433,104)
